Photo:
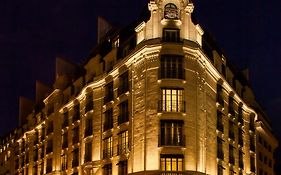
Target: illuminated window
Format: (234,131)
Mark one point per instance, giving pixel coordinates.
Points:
(123,143)
(172,133)
(171,11)
(107,148)
(123,112)
(171,35)
(171,67)
(172,100)
(108,119)
(171,164)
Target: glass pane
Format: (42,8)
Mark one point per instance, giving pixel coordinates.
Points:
(180,167)
(174,164)
(163,164)
(168,164)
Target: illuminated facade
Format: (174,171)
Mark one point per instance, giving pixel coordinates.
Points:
(155,98)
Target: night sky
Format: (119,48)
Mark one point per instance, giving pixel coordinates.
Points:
(33,33)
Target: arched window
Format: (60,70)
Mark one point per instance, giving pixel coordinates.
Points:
(171,11)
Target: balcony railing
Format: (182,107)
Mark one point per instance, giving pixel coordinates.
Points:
(169,141)
(171,173)
(171,106)
(122,148)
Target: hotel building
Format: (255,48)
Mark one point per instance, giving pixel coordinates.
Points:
(157,97)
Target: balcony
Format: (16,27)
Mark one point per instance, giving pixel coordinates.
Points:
(174,106)
(167,140)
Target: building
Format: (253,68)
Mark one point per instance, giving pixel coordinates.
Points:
(156,97)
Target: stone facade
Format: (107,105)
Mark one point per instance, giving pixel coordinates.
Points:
(165,106)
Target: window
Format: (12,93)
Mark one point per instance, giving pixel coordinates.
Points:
(42,151)
(35,154)
(35,169)
(108,93)
(123,112)
(36,137)
(171,133)
(122,168)
(171,35)
(231,106)
(172,100)
(123,143)
(252,143)
(231,155)
(252,124)
(220,153)
(107,169)
(88,126)
(75,138)
(75,157)
(171,11)
(220,169)
(252,164)
(63,162)
(50,109)
(171,66)
(123,83)
(107,148)
(89,102)
(171,164)
(49,165)
(65,119)
(240,116)
(240,137)
(49,148)
(76,112)
(88,152)
(64,140)
(231,171)
(220,95)
(231,130)
(220,121)
(50,128)
(108,119)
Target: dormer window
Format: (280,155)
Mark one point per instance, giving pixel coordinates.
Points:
(171,11)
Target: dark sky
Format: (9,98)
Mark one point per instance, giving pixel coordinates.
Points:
(33,33)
